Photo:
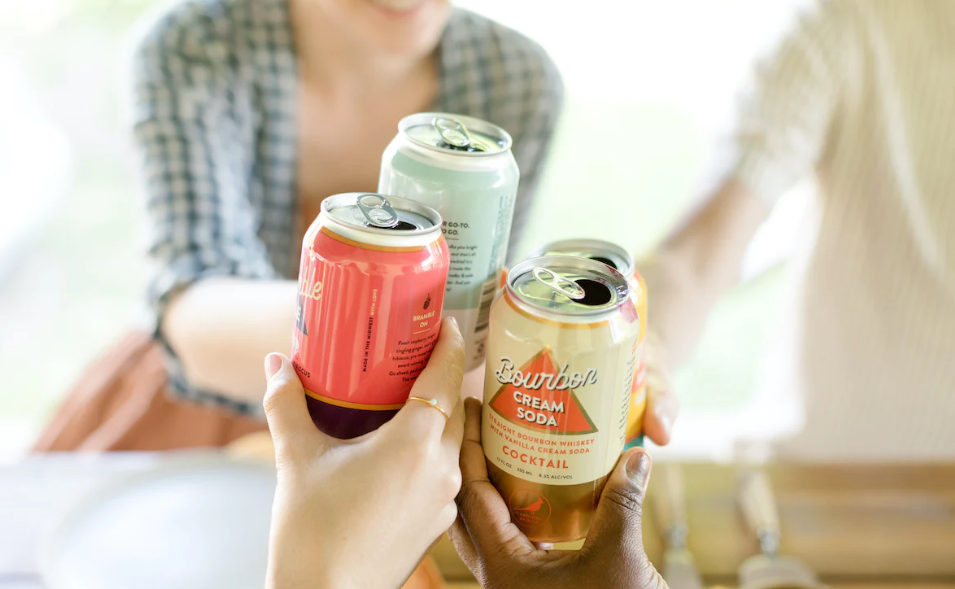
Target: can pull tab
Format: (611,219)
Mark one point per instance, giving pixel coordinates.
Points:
(453,132)
(377,210)
(558,283)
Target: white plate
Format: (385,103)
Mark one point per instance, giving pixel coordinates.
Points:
(194,523)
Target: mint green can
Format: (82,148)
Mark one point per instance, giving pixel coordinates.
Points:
(462,167)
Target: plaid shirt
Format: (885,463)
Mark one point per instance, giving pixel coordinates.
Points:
(214,115)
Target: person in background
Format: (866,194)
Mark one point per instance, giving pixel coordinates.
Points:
(391,493)
(250,112)
(861,93)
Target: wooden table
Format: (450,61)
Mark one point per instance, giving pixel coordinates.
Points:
(858,527)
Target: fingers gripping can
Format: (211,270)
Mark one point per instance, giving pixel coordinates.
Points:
(560,366)
(463,168)
(619,259)
(371,289)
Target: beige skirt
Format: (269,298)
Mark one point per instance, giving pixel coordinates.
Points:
(121,403)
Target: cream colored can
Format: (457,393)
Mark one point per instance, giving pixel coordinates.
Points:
(561,358)
(620,260)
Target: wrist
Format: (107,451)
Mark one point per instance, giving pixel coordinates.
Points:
(296,570)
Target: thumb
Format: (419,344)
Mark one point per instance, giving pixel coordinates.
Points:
(617,524)
(290,424)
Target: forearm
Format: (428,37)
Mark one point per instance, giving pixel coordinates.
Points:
(222,328)
(698,263)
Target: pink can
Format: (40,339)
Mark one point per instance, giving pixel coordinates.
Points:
(371,291)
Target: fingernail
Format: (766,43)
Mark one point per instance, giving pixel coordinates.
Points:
(273,362)
(455,322)
(638,468)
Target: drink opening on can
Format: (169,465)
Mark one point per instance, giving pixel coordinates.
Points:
(371,292)
(561,360)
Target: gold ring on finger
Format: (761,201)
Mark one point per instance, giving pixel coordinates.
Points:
(432,403)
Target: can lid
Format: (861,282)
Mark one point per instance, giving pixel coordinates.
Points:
(379,213)
(458,134)
(568,285)
(602,251)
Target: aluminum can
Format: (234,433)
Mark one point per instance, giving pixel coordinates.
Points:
(371,290)
(463,168)
(619,259)
(562,354)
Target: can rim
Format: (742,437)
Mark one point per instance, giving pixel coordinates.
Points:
(617,283)
(570,247)
(397,202)
(473,123)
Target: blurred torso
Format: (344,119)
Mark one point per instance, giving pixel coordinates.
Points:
(340,141)
(877,347)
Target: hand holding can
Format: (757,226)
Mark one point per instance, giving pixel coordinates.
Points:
(502,557)
(390,493)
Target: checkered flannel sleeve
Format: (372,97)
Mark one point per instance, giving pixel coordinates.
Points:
(200,219)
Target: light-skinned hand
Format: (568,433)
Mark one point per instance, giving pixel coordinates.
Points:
(362,513)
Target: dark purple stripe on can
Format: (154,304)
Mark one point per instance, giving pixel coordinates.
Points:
(345,423)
